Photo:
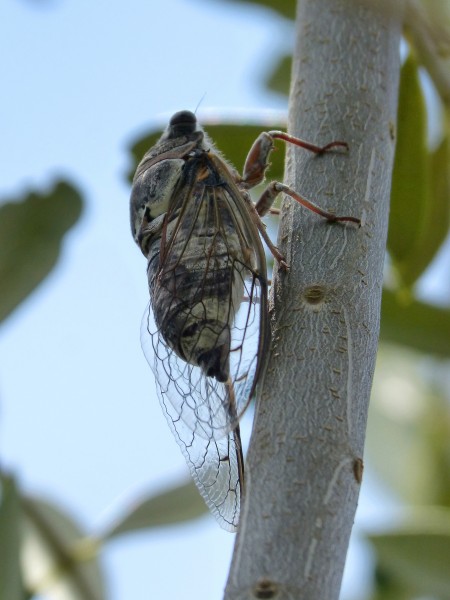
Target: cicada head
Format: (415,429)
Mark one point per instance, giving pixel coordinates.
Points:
(182,123)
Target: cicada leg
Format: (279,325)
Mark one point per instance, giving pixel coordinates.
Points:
(255,167)
(267,198)
(257,160)
(264,204)
(236,433)
(281,135)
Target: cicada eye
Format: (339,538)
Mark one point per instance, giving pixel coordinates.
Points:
(182,123)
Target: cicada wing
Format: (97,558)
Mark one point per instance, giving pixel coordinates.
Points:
(194,408)
(210,281)
(202,412)
(246,342)
(211,278)
(207,406)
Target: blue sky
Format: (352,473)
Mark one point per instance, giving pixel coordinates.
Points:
(80,422)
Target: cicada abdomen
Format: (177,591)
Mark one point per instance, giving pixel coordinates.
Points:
(197,285)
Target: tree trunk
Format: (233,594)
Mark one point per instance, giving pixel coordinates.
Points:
(304,464)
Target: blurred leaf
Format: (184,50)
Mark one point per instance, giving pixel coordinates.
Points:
(286,8)
(279,80)
(408,437)
(420,211)
(438,212)
(234,142)
(409,216)
(50,564)
(417,553)
(31,232)
(10,574)
(418,325)
(387,586)
(427,26)
(440,192)
(176,505)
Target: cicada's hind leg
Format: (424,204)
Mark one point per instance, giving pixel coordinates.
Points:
(256,218)
(263,206)
(239,455)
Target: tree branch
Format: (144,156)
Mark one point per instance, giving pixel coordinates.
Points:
(304,464)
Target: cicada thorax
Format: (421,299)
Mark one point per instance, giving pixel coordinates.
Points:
(197,278)
(154,184)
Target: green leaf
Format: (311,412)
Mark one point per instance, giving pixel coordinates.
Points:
(427,26)
(52,561)
(420,211)
(387,586)
(31,232)
(233,140)
(410,196)
(418,325)
(436,221)
(285,8)
(408,436)
(440,195)
(417,553)
(10,573)
(437,218)
(179,504)
(279,80)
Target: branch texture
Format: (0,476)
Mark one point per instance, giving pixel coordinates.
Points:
(304,465)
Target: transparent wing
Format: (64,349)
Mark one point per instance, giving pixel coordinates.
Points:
(215,461)
(200,401)
(203,412)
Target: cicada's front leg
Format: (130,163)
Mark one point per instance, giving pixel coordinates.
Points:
(149,229)
(257,160)
(255,167)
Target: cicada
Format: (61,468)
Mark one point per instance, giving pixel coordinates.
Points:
(206,333)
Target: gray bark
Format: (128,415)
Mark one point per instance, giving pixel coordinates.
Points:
(304,464)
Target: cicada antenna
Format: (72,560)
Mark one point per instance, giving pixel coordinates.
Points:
(199,102)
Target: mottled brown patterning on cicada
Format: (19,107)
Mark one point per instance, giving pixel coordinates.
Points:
(206,333)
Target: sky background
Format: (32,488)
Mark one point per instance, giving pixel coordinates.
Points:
(80,423)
